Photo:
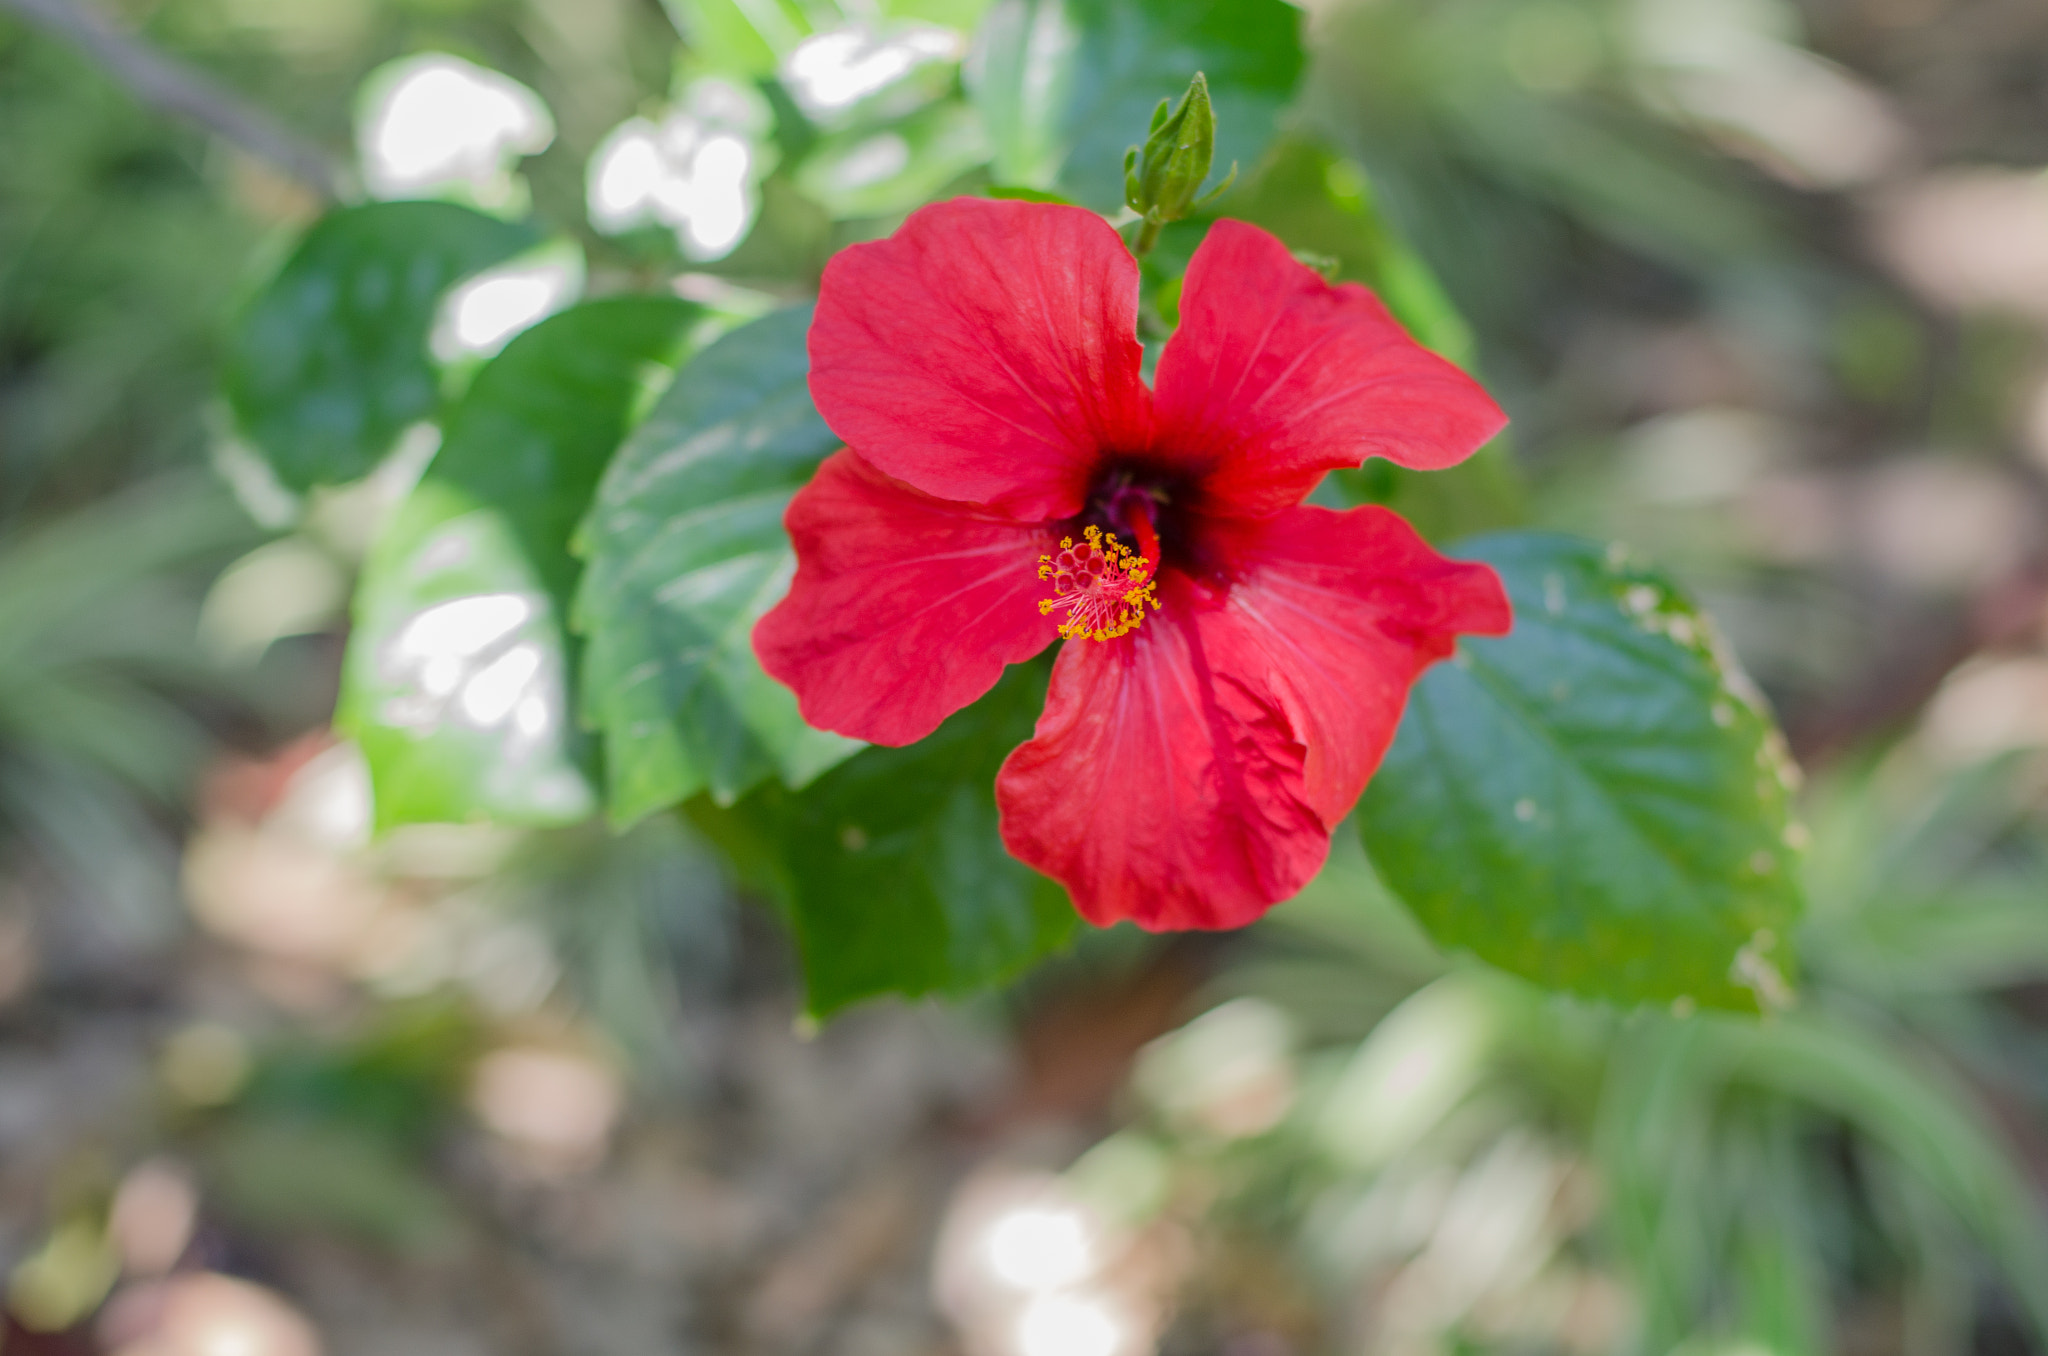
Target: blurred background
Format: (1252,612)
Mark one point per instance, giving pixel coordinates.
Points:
(1764,285)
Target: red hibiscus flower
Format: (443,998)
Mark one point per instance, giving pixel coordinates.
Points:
(1236,662)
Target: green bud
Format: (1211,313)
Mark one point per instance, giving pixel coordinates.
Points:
(1162,180)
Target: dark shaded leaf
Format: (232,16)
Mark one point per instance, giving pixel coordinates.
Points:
(891,868)
(330,363)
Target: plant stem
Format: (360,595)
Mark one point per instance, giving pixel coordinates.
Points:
(1148,236)
(172,86)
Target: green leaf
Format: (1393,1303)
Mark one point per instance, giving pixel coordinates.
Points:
(686,552)
(330,363)
(1066,86)
(1598,801)
(1016,194)
(534,433)
(739,37)
(891,868)
(456,677)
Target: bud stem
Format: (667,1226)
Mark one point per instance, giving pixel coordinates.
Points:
(1148,236)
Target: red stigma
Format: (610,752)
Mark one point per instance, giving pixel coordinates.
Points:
(1100,583)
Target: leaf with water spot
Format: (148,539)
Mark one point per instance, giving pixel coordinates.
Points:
(1599,801)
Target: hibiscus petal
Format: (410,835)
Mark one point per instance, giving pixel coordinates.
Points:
(1188,775)
(904,608)
(985,353)
(1275,377)
(1158,786)
(1347,610)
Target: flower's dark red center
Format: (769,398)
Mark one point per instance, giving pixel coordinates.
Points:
(1144,505)
(1102,584)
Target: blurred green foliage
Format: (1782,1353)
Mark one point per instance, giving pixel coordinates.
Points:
(1759,1181)
(1498,172)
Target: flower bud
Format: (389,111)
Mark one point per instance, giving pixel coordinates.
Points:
(1163,178)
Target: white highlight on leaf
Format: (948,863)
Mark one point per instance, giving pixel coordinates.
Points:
(694,171)
(532,716)
(460,628)
(433,122)
(479,317)
(834,70)
(454,652)
(490,695)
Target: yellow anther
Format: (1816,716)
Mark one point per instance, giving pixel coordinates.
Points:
(1103,585)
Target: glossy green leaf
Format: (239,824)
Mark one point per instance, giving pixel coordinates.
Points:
(330,363)
(456,677)
(686,552)
(537,428)
(1066,86)
(1598,801)
(891,868)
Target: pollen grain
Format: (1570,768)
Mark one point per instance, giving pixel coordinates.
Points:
(1102,585)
